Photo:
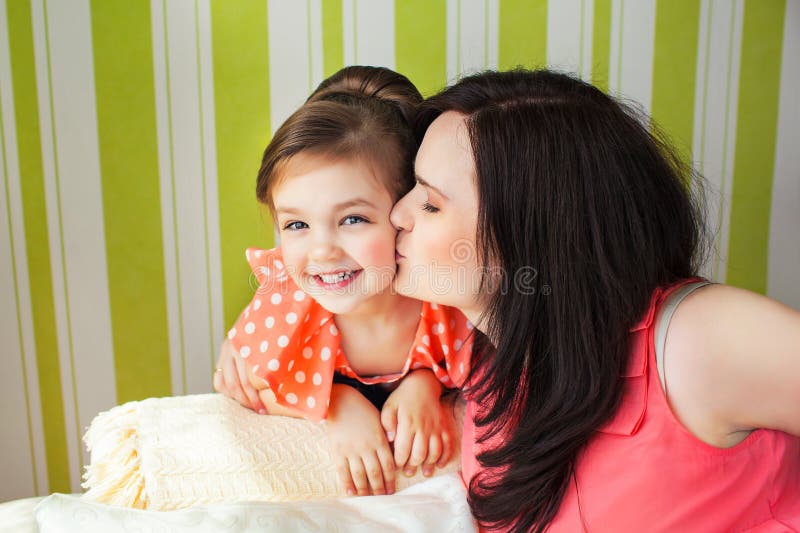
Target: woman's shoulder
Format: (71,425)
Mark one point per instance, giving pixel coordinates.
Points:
(732,363)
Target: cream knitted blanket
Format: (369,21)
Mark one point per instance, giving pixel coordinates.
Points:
(176,452)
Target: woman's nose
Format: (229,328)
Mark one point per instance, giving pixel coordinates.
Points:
(399,217)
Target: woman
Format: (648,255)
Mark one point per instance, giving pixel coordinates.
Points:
(586,240)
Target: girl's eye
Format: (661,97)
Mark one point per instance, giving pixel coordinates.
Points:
(293,226)
(429,208)
(353,219)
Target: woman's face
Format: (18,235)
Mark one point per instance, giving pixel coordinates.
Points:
(437,222)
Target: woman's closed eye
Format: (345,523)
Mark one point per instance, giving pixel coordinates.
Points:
(353,219)
(426,206)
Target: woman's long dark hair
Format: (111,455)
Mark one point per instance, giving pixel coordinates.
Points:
(576,188)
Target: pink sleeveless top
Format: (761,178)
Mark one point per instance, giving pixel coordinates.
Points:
(644,471)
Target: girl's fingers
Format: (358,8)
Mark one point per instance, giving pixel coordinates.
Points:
(254,402)
(374,473)
(419,451)
(389,467)
(343,473)
(434,453)
(447,450)
(359,475)
(403,442)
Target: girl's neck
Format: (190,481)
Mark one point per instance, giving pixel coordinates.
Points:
(380,309)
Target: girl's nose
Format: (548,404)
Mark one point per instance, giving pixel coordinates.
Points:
(399,217)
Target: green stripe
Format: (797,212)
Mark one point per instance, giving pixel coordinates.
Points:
(674,71)
(756,134)
(126,124)
(332,40)
(37,242)
(241,97)
(22,355)
(421,43)
(601,43)
(522,34)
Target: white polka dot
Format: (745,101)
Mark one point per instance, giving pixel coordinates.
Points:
(435,368)
(333,330)
(291,364)
(245,351)
(264,346)
(434,306)
(291,318)
(438,328)
(278,264)
(311,402)
(249,328)
(417,365)
(300,376)
(325,354)
(247,312)
(256,304)
(461,367)
(291,398)
(426,340)
(469,325)
(445,349)
(283,341)
(269,322)
(275,298)
(317,378)
(274,365)
(322,323)
(299,296)
(458,344)
(308,352)
(232,333)
(259,253)
(422,349)
(264,271)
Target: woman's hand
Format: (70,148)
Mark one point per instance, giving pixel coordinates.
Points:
(421,426)
(231,379)
(363,458)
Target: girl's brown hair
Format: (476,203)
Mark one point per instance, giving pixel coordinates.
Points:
(358,112)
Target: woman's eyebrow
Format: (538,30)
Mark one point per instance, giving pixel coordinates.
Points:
(428,185)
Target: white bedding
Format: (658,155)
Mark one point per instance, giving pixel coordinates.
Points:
(437,505)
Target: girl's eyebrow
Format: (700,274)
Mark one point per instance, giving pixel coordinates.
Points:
(337,207)
(428,185)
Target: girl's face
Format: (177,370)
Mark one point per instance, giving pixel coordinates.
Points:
(437,222)
(336,237)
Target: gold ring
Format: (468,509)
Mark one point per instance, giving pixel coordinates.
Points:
(217,370)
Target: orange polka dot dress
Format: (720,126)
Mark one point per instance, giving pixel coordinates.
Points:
(292,342)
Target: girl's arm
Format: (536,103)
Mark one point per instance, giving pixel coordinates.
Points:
(732,364)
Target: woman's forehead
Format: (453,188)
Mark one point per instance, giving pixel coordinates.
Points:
(445,156)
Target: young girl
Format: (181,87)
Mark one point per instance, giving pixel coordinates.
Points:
(325,336)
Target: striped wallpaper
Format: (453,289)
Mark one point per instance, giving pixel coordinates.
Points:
(131,132)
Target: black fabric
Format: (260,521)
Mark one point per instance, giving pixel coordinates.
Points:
(376,394)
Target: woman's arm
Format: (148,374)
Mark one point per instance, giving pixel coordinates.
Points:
(732,364)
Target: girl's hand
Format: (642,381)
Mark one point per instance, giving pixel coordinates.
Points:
(231,379)
(422,428)
(363,458)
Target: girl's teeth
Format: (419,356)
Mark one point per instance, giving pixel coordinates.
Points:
(335,278)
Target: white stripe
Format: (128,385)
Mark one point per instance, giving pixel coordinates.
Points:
(638,41)
(453,44)
(54,238)
(288,58)
(720,121)
(212,197)
(163,126)
(784,245)
(375,32)
(84,291)
(493,28)
(588,34)
(472,45)
(184,98)
(317,55)
(25,318)
(699,128)
(349,36)
(564,35)
(615,35)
